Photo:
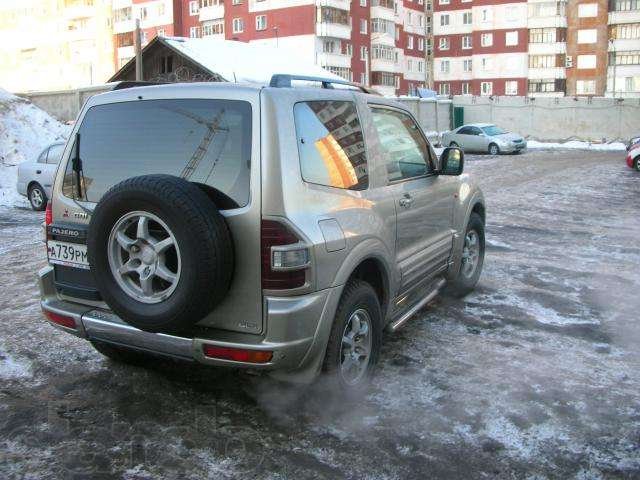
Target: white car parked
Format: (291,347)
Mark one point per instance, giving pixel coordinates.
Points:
(35,178)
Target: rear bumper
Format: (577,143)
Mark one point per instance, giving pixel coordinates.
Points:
(297,330)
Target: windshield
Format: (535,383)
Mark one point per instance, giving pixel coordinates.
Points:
(203,141)
(492,130)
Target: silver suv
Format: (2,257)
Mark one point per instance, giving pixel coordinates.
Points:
(280,228)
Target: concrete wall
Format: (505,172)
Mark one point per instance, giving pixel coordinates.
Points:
(433,115)
(557,119)
(64,104)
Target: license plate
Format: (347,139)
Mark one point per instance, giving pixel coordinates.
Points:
(69,254)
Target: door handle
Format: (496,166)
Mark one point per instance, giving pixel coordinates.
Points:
(406,201)
(38,171)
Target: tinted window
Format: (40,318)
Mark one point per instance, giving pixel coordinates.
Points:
(406,151)
(465,131)
(55,153)
(330,144)
(475,131)
(493,130)
(203,141)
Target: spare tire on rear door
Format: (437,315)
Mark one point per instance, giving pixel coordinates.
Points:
(160,252)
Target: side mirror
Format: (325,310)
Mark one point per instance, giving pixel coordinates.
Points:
(451,161)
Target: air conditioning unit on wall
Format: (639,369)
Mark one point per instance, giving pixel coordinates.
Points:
(568,61)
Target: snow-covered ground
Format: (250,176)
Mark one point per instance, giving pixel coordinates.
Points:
(24,131)
(534,375)
(577,145)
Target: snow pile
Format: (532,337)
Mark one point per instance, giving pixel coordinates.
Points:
(24,131)
(577,145)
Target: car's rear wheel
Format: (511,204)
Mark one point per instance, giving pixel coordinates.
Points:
(472,259)
(636,164)
(37,197)
(494,149)
(354,343)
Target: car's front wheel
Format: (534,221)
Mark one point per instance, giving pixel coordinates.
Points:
(636,164)
(37,197)
(454,145)
(356,334)
(494,149)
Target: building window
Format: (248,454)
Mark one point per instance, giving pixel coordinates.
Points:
(194,32)
(445,66)
(624,5)
(486,88)
(547,85)
(363,3)
(586,87)
(261,22)
(486,15)
(467,18)
(511,87)
(363,25)
(238,25)
(586,61)
(625,58)
(380,25)
(444,43)
(421,44)
(466,41)
(511,39)
(542,61)
(363,78)
(588,36)
(383,52)
(122,14)
(236,2)
(444,2)
(344,72)
(546,35)
(465,88)
(486,39)
(194,8)
(587,10)
(409,65)
(467,65)
(215,27)
(385,79)
(160,32)
(409,42)
(626,31)
(348,49)
(363,53)
(486,64)
(444,20)
(444,89)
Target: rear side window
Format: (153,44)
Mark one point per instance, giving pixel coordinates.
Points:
(203,141)
(330,144)
(55,153)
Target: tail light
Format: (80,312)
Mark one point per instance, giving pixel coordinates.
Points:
(237,354)
(48,214)
(284,257)
(58,319)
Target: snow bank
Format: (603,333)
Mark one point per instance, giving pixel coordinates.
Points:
(576,145)
(24,131)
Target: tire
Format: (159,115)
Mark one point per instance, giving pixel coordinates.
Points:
(463,283)
(454,144)
(357,297)
(494,149)
(37,197)
(120,354)
(636,164)
(187,277)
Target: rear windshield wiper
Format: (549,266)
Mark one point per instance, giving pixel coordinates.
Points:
(76,165)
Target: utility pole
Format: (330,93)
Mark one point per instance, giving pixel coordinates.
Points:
(366,67)
(428,40)
(138,43)
(615,62)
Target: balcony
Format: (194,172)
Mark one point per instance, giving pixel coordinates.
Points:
(383,12)
(124,26)
(79,10)
(335,30)
(557,21)
(549,72)
(339,4)
(547,48)
(334,60)
(623,44)
(383,65)
(627,16)
(213,12)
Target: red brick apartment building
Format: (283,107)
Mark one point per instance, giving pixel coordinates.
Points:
(384,43)
(468,47)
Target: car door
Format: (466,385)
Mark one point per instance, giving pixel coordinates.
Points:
(477,140)
(48,169)
(463,138)
(424,200)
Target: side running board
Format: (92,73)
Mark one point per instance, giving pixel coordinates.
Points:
(395,325)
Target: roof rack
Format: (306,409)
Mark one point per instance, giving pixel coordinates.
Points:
(280,80)
(130,84)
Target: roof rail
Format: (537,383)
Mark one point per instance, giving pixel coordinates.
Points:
(130,84)
(281,80)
